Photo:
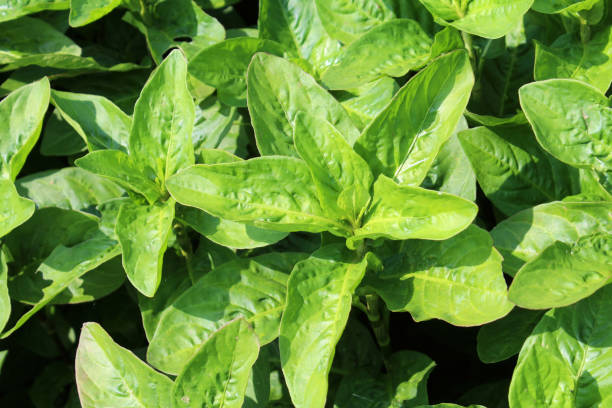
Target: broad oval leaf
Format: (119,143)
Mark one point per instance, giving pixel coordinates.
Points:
(227,233)
(347,20)
(122,169)
(218,374)
(269,192)
(568,57)
(160,138)
(14,209)
(319,297)
(567,356)
(403,212)
(433,279)
(558,6)
(393,48)
(403,140)
(366,102)
(571,120)
(503,338)
(528,233)
(277,91)
(512,169)
(143,232)
(100,123)
(83,12)
(71,188)
(65,265)
(12,9)
(109,375)
(564,274)
(224,66)
(485,18)
(21,116)
(252,288)
(296,25)
(451,171)
(342,177)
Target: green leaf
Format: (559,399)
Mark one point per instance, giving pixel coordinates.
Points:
(71,188)
(175,281)
(513,170)
(100,123)
(143,232)
(122,169)
(568,57)
(503,338)
(109,375)
(319,300)
(298,28)
(21,115)
(347,20)
(168,24)
(488,18)
(366,102)
(224,66)
(403,212)
(63,266)
(14,209)
(393,48)
(31,41)
(458,280)
(564,274)
(274,193)
(218,374)
(5,299)
(83,12)
(59,138)
(405,385)
(218,126)
(160,139)
(403,140)
(559,6)
(277,91)
(253,288)
(451,171)
(528,233)
(12,9)
(567,356)
(341,176)
(571,120)
(227,233)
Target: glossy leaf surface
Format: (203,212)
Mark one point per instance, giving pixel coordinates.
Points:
(318,304)
(143,232)
(251,288)
(107,374)
(277,91)
(566,356)
(403,140)
(571,120)
(270,192)
(218,373)
(528,233)
(433,279)
(160,139)
(403,212)
(393,49)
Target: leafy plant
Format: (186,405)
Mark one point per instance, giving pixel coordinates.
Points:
(321,205)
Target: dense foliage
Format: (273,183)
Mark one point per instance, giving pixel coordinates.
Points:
(306,203)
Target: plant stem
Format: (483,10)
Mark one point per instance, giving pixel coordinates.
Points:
(379,323)
(467,40)
(186,249)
